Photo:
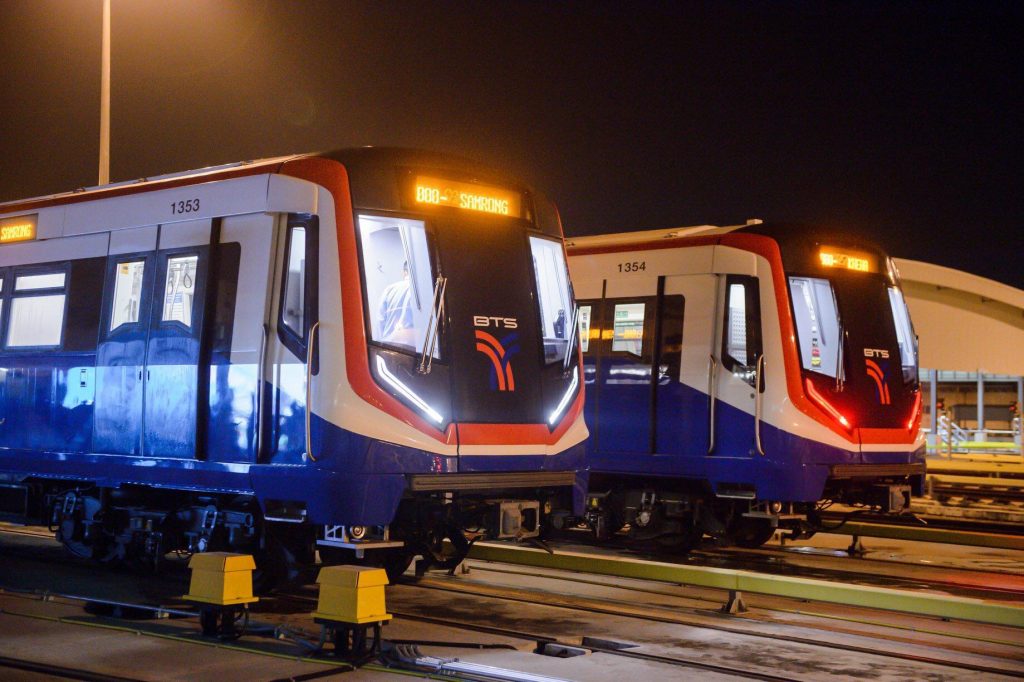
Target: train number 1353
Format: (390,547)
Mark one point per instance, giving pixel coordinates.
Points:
(185,206)
(633,266)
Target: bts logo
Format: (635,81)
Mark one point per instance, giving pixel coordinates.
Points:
(497,322)
(877,373)
(876,353)
(500,354)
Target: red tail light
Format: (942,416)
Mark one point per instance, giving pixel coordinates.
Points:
(825,405)
(915,412)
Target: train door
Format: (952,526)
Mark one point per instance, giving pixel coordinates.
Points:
(737,368)
(121,347)
(623,419)
(174,352)
(294,316)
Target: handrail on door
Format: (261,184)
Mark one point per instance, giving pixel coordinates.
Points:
(713,396)
(309,389)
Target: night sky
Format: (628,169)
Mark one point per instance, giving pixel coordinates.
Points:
(899,121)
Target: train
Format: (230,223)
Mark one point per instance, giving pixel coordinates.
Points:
(742,379)
(362,354)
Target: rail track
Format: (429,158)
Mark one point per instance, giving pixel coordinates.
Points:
(921,644)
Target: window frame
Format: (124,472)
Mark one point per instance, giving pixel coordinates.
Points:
(434,256)
(296,343)
(10,276)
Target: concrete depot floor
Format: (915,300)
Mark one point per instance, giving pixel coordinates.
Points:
(147,656)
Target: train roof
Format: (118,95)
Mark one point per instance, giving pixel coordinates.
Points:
(789,234)
(367,159)
(643,236)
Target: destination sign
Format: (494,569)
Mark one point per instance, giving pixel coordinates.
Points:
(468,196)
(846,259)
(19,229)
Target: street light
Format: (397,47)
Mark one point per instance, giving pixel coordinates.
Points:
(105,98)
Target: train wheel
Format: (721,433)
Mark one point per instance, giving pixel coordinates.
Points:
(749,532)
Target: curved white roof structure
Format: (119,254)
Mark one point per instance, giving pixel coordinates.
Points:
(965,322)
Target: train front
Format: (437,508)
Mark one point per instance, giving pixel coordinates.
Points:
(464,345)
(856,373)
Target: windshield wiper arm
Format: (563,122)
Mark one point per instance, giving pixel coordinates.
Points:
(433,326)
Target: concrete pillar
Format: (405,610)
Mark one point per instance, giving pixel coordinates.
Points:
(981,406)
(933,400)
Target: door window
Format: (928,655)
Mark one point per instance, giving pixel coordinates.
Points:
(741,337)
(554,296)
(37,311)
(127,293)
(294,305)
(180,289)
(399,281)
(628,328)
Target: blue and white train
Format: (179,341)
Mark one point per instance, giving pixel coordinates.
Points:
(364,352)
(741,378)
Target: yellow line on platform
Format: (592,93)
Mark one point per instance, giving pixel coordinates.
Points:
(888,599)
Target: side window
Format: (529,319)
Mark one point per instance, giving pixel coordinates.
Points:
(180,289)
(127,293)
(294,303)
(37,310)
(628,328)
(741,337)
(297,310)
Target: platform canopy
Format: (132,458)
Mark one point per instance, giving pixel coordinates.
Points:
(965,322)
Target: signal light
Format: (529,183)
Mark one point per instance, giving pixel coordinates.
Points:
(915,412)
(826,406)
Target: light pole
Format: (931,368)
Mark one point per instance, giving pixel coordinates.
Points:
(105,98)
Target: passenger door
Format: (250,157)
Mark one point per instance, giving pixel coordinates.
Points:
(295,316)
(174,358)
(623,420)
(121,350)
(738,355)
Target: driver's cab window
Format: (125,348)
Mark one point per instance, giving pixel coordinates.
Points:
(399,281)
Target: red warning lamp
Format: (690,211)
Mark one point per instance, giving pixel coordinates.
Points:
(826,406)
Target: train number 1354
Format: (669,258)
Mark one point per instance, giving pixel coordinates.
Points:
(185,206)
(633,266)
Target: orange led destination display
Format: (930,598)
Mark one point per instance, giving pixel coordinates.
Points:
(845,259)
(468,196)
(20,229)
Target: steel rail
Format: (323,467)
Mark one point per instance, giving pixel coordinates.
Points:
(950,536)
(542,639)
(886,599)
(665,615)
(61,671)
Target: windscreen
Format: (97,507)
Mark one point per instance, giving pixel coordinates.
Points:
(817,324)
(904,334)
(399,280)
(555,300)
